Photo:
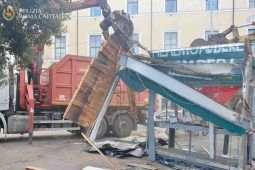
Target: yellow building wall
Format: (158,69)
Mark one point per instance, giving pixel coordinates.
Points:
(191,21)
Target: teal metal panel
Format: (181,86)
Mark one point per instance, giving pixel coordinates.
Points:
(228,53)
(139,83)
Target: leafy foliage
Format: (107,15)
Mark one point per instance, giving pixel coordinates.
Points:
(19,36)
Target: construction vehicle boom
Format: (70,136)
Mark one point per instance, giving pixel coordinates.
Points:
(221,38)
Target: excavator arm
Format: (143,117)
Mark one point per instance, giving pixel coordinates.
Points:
(221,38)
(118,20)
(83,4)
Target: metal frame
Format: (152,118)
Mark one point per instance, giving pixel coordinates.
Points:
(162,156)
(245,142)
(192,128)
(184,91)
(150,127)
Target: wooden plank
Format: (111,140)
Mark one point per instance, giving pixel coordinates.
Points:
(142,166)
(91,92)
(33,168)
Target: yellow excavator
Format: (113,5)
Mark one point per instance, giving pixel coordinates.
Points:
(221,38)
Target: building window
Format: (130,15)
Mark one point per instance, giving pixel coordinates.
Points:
(170,40)
(94,44)
(135,37)
(132,7)
(60,47)
(95,11)
(211,5)
(170,6)
(252,31)
(252,3)
(208,33)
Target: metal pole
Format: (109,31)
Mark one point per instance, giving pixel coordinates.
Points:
(247,154)
(240,152)
(211,141)
(226,137)
(171,138)
(77,33)
(211,15)
(226,144)
(103,109)
(250,149)
(150,127)
(233,13)
(190,138)
(151,25)
(172,132)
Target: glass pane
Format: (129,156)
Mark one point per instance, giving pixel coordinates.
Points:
(98,41)
(95,11)
(211,5)
(97,49)
(170,40)
(57,54)
(132,6)
(57,40)
(63,44)
(167,41)
(95,44)
(95,40)
(252,3)
(92,41)
(57,45)
(173,38)
(63,51)
(60,47)
(171,6)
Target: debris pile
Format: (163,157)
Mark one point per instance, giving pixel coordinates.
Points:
(120,148)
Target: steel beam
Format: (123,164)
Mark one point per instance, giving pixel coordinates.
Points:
(212,146)
(103,109)
(150,127)
(171,138)
(226,144)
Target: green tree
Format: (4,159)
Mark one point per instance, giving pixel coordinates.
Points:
(19,35)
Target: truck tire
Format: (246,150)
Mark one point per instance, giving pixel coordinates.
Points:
(122,126)
(102,129)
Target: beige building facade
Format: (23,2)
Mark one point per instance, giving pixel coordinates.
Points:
(159,24)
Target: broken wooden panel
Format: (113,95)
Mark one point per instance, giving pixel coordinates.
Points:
(91,92)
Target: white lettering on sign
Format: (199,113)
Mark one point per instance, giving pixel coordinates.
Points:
(62,97)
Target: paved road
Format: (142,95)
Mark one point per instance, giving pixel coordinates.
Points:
(64,151)
(54,151)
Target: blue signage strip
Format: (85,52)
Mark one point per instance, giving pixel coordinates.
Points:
(227,53)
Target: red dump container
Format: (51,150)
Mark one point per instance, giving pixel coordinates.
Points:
(65,76)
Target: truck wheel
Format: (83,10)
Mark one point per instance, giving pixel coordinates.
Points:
(102,129)
(122,126)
